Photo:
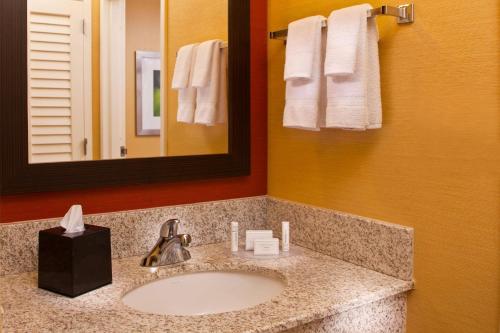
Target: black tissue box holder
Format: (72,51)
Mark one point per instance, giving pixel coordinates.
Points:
(74,264)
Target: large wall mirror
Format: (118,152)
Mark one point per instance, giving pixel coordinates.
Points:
(104,92)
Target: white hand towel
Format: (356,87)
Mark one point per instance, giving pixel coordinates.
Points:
(181,81)
(304,96)
(352,69)
(207,99)
(203,63)
(182,69)
(301,47)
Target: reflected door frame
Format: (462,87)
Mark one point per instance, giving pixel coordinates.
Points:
(112,78)
(87,80)
(163,77)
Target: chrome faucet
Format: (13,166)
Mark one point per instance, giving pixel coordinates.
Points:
(170,248)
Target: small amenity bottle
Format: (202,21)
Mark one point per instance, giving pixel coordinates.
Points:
(234,236)
(285,236)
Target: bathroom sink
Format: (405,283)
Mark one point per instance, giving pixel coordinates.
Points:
(204,293)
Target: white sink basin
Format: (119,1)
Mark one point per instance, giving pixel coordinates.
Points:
(204,293)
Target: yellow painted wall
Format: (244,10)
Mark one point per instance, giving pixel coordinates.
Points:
(142,34)
(190,22)
(435,164)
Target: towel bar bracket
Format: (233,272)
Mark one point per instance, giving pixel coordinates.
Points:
(404,14)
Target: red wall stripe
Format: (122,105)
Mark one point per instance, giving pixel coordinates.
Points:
(99,200)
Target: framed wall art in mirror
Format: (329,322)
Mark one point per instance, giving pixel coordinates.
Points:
(148,93)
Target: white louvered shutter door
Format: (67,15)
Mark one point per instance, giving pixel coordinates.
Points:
(55,80)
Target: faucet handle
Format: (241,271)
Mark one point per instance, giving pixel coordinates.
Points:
(185,239)
(169,228)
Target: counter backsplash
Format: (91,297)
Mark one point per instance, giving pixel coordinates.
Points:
(377,245)
(383,247)
(135,232)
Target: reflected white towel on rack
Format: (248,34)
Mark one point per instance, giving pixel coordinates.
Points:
(181,81)
(352,69)
(203,64)
(182,69)
(208,108)
(304,108)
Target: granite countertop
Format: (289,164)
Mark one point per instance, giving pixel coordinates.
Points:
(317,286)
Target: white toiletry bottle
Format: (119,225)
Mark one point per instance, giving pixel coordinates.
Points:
(234,236)
(285,236)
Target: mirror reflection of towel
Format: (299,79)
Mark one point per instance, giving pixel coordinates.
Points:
(182,81)
(210,79)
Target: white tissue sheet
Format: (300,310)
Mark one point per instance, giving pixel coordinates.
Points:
(73,220)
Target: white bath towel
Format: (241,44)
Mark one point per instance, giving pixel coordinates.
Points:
(352,70)
(209,111)
(181,81)
(303,106)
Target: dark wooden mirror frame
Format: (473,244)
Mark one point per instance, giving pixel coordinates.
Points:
(18,176)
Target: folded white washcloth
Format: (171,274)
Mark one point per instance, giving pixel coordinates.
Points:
(352,70)
(301,47)
(181,81)
(207,99)
(304,107)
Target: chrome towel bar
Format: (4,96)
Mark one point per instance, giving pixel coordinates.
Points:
(403,13)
